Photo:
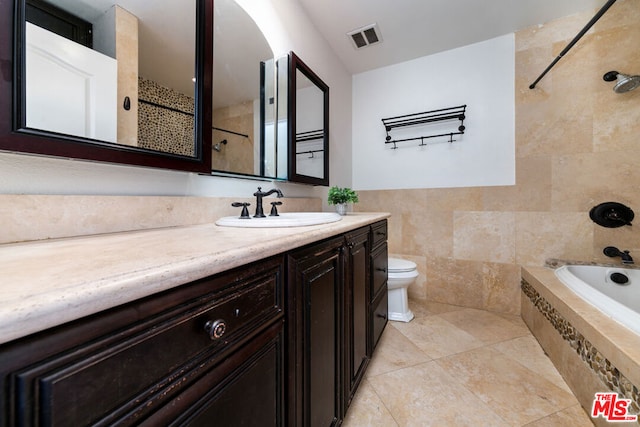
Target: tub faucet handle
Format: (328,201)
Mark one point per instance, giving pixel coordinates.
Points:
(612,252)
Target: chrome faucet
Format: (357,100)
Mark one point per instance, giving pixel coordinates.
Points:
(259,195)
(612,252)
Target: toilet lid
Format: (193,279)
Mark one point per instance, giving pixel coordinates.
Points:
(398,265)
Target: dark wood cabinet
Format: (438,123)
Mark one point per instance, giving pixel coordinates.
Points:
(280,342)
(153,359)
(331,324)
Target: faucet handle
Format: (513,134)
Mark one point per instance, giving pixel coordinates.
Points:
(274,209)
(612,251)
(245,212)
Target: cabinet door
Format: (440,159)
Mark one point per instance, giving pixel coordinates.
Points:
(245,390)
(315,322)
(356,310)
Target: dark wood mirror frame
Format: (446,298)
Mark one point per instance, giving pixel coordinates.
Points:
(296,64)
(13,138)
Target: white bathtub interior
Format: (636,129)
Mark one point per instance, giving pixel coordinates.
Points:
(593,283)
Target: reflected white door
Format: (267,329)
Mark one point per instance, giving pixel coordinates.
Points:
(70,88)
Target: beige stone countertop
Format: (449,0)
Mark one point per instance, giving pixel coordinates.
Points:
(48,283)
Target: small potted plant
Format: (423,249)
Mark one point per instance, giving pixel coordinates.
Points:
(340,197)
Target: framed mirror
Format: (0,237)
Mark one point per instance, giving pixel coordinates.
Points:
(119,81)
(249,98)
(308,125)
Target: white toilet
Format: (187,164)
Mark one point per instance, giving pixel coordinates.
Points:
(401,273)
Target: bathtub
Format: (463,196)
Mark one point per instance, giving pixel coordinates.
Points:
(581,329)
(597,285)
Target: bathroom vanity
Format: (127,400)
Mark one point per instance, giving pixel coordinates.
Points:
(232,326)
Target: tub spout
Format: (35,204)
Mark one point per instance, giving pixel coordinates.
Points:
(612,252)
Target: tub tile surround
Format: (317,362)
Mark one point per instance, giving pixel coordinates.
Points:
(591,351)
(576,147)
(38,217)
(496,375)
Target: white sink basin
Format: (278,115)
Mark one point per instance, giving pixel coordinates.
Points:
(291,219)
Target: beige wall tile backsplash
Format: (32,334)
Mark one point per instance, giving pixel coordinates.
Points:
(576,146)
(37,217)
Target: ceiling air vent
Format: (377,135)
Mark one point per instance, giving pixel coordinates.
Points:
(365,36)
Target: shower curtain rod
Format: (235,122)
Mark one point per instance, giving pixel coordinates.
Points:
(575,40)
(175,110)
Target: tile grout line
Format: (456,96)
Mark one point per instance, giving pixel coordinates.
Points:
(373,389)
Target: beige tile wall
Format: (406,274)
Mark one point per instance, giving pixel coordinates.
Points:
(38,217)
(577,145)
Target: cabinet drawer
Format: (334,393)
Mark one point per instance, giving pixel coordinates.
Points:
(379,264)
(119,377)
(378,233)
(378,317)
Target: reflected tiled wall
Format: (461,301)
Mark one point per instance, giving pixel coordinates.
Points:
(127,56)
(167,129)
(238,154)
(577,145)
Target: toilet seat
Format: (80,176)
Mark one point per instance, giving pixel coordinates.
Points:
(397,265)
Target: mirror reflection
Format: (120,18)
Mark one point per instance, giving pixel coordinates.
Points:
(115,71)
(309,126)
(249,118)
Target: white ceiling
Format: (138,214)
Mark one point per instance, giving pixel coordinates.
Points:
(415,28)
(409,29)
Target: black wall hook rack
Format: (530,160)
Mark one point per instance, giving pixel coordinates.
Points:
(433,116)
(310,136)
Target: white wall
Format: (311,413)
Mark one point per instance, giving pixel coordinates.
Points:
(292,30)
(303,38)
(479,75)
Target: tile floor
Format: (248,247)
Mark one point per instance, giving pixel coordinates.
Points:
(456,366)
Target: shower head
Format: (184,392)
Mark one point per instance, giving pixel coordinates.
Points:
(218,146)
(625,82)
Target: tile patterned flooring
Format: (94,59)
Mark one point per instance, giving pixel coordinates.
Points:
(456,366)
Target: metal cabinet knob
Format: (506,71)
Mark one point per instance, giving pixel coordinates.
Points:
(384,270)
(215,328)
